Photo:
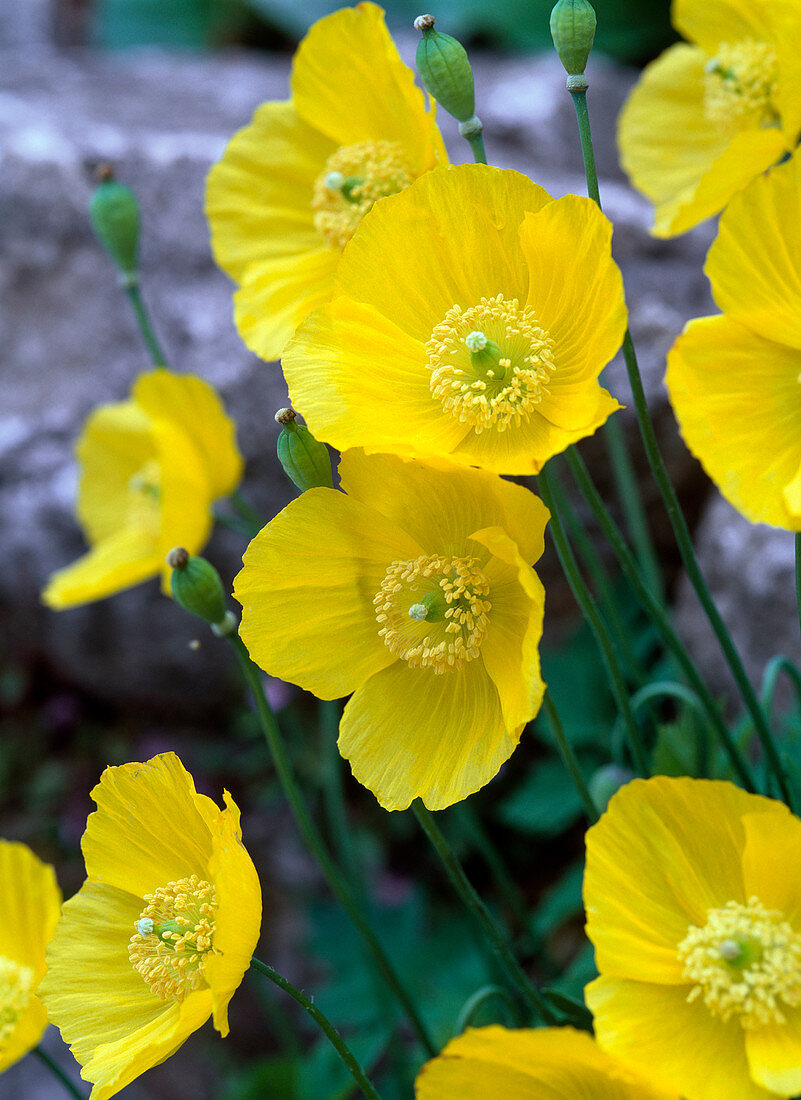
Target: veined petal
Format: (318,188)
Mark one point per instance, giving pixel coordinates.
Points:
(583,310)
(277,293)
(674,1043)
(194,407)
(351,351)
(738,402)
(238,916)
(526,447)
(652,871)
(555,1063)
(754,264)
(772,872)
(307,587)
(448,239)
(259,195)
(440,506)
(717,21)
(410,733)
(349,81)
(510,650)
(774,1054)
(117,562)
(90,989)
(168,839)
(115,444)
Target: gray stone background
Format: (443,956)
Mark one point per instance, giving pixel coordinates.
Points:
(69,342)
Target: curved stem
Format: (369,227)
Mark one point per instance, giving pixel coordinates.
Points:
(653,607)
(477,148)
(143,320)
(325,1025)
(590,611)
(475,1002)
(58,1072)
(774,667)
(313,840)
(569,757)
(520,982)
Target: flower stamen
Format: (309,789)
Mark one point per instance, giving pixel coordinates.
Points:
(173,935)
(16,988)
(745,963)
(490,363)
(433,612)
(740,86)
(355,177)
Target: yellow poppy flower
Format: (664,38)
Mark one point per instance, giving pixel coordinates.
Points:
(414,590)
(693,899)
(708,117)
(292,186)
(553,1063)
(734,380)
(30,902)
(151,468)
(473,317)
(159,936)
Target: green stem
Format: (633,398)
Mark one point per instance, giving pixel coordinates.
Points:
(314,841)
(58,1072)
(333,794)
(325,1025)
(654,608)
(234,523)
(477,148)
(145,327)
(619,457)
(598,626)
(520,982)
(774,667)
(479,838)
(245,510)
(569,757)
(600,578)
(685,545)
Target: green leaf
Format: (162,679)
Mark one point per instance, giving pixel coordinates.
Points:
(545,804)
(561,902)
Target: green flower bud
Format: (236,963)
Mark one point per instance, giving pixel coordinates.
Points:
(606,781)
(197,587)
(445,70)
(115,217)
(573,31)
(306,461)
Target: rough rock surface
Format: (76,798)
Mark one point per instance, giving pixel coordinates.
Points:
(69,341)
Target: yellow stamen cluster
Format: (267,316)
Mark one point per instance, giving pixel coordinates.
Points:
(490,390)
(355,177)
(746,961)
(174,933)
(740,86)
(433,611)
(144,497)
(16,987)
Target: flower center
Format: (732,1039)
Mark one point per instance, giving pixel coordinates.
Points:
(746,962)
(144,497)
(740,86)
(16,988)
(354,177)
(173,936)
(433,611)
(490,364)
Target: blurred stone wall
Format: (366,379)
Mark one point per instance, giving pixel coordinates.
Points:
(69,340)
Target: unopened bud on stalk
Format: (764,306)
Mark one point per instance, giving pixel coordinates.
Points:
(306,461)
(445,70)
(197,587)
(114,212)
(573,32)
